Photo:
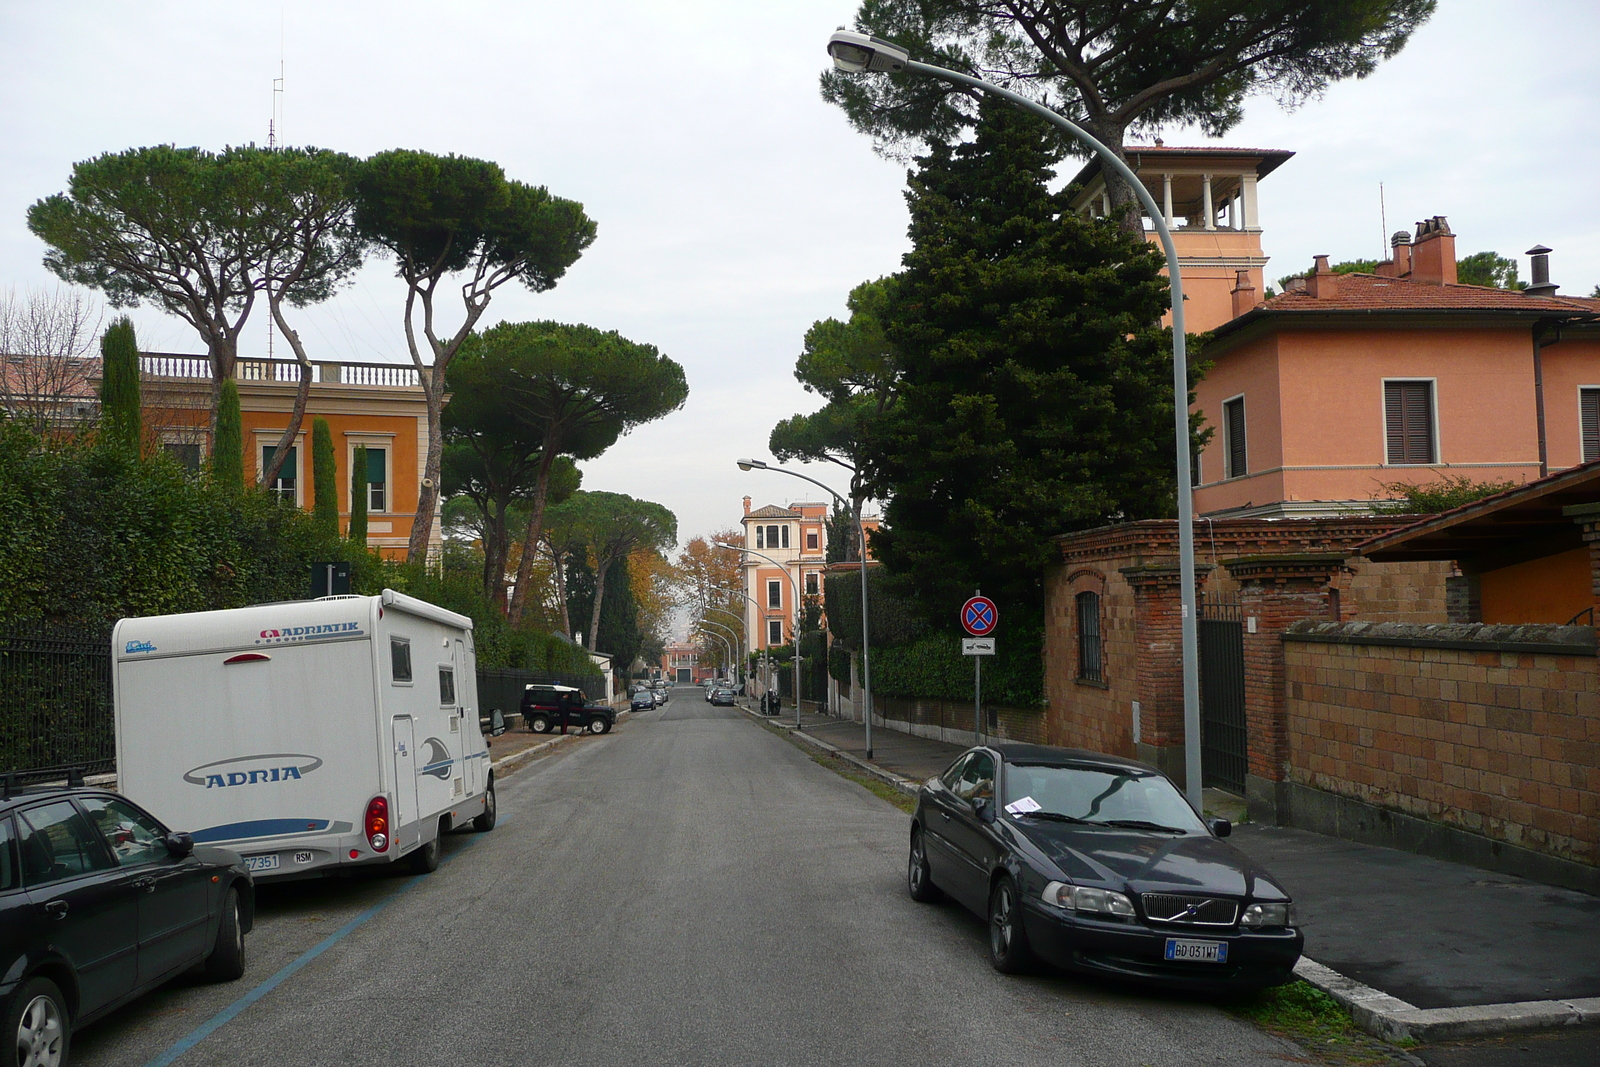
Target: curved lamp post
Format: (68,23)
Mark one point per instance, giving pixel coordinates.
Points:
(797,617)
(866,643)
(738,644)
(744,638)
(749,641)
(719,637)
(857,53)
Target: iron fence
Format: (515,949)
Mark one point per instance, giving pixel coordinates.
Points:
(55,700)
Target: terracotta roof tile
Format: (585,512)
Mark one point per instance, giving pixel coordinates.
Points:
(773,511)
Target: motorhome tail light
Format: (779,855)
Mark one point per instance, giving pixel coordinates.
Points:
(378,824)
(246,657)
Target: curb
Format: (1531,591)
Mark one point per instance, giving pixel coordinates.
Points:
(508,764)
(900,782)
(1393,1019)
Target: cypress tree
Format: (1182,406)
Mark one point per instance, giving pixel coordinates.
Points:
(324,484)
(227,451)
(358,496)
(119,384)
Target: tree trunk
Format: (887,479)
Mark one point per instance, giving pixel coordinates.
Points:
(432,380)
(603,566)
(559,569)
(1125,206)
(535,530)
(280,452)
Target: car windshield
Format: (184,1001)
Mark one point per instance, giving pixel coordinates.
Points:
(1107,795)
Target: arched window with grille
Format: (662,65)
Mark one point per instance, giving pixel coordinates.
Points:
(1090,649)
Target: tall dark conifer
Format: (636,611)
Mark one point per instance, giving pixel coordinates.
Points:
(358,496)
(119,384)
(324,479)
(227,448)
(1036,396)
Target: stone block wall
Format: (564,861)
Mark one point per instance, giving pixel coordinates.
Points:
(1491,730)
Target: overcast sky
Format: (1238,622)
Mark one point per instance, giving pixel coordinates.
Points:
(734,206)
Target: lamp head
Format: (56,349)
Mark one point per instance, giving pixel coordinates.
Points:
(856,53)
(752,464)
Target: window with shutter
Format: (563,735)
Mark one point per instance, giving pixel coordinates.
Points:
(1589,419)
(1408,422)
(1233,430)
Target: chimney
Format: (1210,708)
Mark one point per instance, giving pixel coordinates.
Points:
(1321,282)
(1244,294)
(1541,273)
(1398,265)
(747,505)
(1433,260)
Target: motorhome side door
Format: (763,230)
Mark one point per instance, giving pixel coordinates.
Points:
(467,716)
(405,826)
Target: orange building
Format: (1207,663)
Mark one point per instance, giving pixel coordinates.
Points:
(1208,197)
(379,405)
(1320,396)
(787,552)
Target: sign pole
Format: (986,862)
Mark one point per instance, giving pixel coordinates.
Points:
(979,616)
(977,698)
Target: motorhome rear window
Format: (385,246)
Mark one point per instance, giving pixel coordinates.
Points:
(447,685)
(400,656)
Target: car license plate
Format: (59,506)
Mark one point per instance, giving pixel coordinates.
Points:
(270,863)
(1184,951)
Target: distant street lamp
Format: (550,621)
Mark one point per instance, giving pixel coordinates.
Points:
(738,648)
(712,633)
(857,53)
(749,641)
(744,640)
(797,618)
(866,640)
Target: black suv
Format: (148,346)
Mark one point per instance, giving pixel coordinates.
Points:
(99,904)
(557,707)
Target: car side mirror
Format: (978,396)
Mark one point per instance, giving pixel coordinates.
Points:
(497,723)
(1221,827)
(983,808)
(179,844)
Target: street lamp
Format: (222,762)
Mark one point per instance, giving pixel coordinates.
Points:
(744,644)
(738,647)
(866,643)
(857,53)
(712,633)
(797,617)
(749,642)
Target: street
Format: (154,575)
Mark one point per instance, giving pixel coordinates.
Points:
(689,889)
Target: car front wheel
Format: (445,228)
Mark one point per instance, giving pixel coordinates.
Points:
(1008,941)
(919,879)
(38,1017)
(598,725)
(226,962)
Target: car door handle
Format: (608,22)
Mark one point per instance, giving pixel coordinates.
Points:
(146,884)
(56,909)
(945,815)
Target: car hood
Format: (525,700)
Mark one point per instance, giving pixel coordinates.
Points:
(1148,862)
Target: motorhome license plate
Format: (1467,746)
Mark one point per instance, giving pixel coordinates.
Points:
(1197,951)
(270,863)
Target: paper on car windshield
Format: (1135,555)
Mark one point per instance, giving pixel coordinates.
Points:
(1023,806)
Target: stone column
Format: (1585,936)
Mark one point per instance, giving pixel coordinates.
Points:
(1210,206)
(1158,631)
(1274,591)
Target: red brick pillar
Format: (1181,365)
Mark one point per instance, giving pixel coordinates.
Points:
(1274,591)
(1158,630)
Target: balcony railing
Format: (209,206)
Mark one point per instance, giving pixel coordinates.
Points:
(387,375)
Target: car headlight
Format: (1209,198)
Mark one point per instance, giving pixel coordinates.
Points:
(1088,899)
(1257,916)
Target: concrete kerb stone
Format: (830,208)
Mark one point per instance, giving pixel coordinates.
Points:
(1393,1019)
(903,784)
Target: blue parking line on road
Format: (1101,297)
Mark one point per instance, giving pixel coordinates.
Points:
(231,1012)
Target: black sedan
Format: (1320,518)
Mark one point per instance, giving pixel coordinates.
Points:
(1098,864)
(100,903)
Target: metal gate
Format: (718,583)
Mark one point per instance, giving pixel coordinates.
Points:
(1223,758)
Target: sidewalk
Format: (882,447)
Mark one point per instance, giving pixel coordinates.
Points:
(1417,947)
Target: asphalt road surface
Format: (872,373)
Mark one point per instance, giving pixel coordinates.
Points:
(689,889)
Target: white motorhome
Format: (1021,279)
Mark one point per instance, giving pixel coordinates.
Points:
(308,736)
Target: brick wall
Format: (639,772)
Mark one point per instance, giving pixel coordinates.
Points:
(1493,730)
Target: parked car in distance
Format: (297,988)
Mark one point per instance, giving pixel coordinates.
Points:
(722,696)
(1098,864)
(642,699)
(81,871)
(552,707)
(660,696)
